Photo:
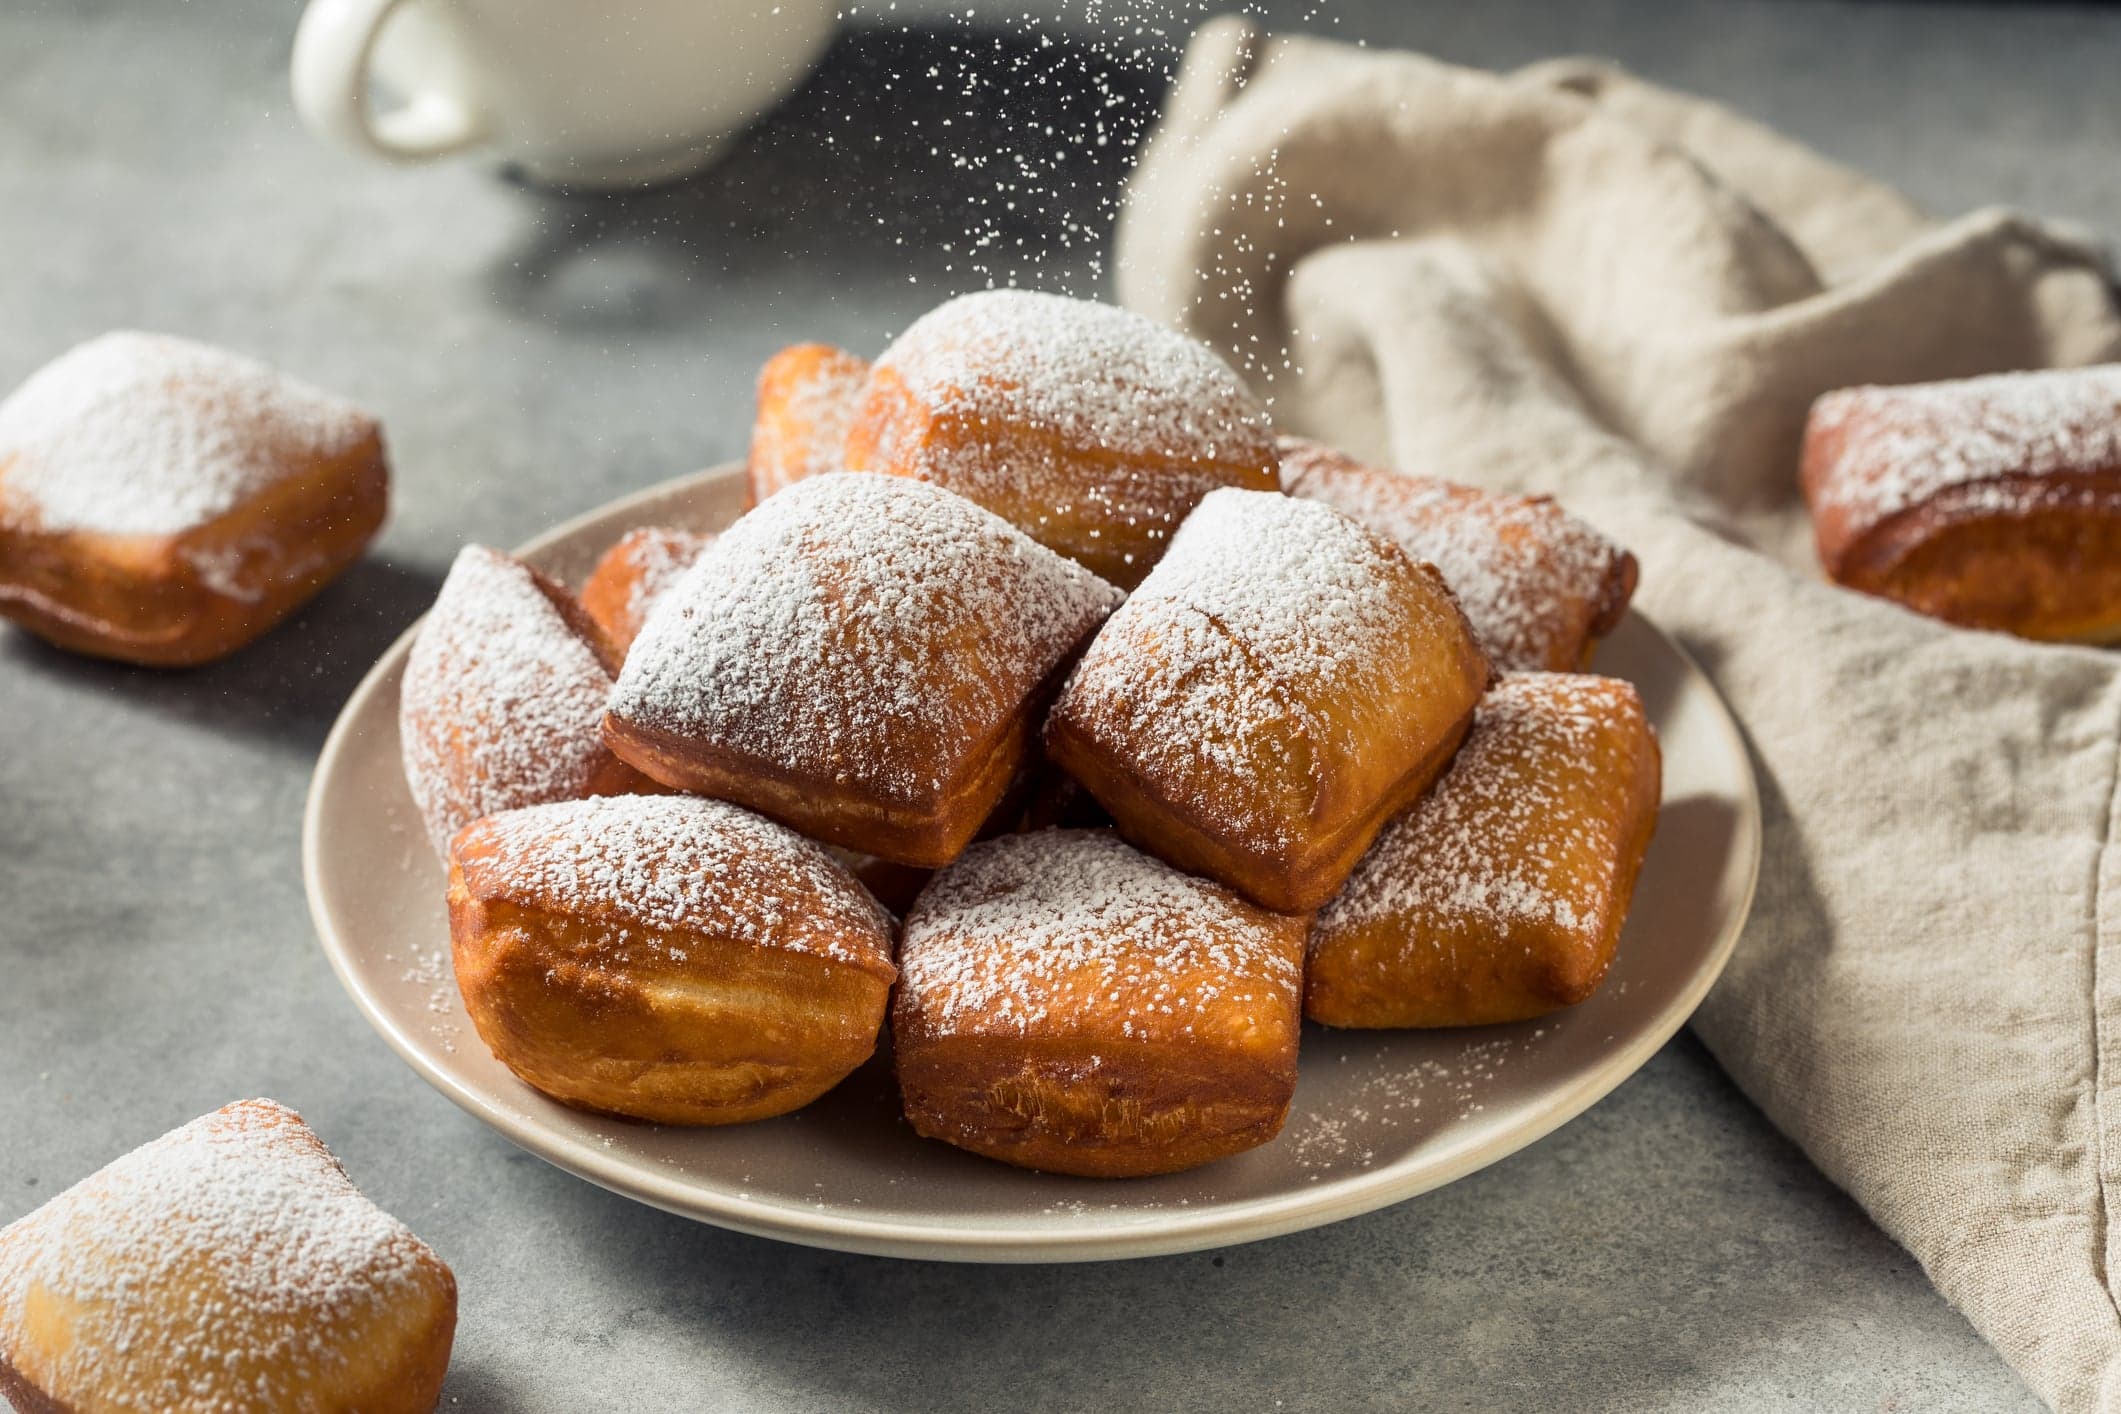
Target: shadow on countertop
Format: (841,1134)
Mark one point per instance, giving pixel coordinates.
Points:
(288,686)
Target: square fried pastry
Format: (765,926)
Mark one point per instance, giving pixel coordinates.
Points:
(1539,586)
(633,575)
(806,401)
(503,698)
(1990,502)
(1092,429)
(163,502)
(664,957)
(1279,686)
(1070,1004)
(228,1265)
(861,657)
(1500,895)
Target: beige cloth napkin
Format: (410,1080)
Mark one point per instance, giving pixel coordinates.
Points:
(1568,280)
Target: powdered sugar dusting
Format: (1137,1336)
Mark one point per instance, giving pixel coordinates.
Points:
(1533,580)
(1265,610)
(143,434)
(807,434)
(502,699)
(1490,841)
(660,558)
(1029,929)
(203,1267)
(1096,375)
(858,625)
(651,865)
(1901,446)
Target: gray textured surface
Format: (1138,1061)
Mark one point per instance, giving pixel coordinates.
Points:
(534,355)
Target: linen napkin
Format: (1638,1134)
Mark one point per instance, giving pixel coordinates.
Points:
(1568,280)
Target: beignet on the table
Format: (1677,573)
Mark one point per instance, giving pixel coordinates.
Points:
(1279,686)
(1539,586)
(864,658)
(1093,430)
(1070,1004)
(1990,502)
(228,1266)
(164,503)
(1500,895)
(664,957)
(806,401)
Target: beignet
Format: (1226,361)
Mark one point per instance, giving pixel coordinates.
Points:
(1989,502)
(1278,687)
(633,575)
(1500,895)
(164,503)
(806,400)
(667,958)
(503,694)
(227,1266)
(1070,1004)
(1539,586)
(862,658)
(1093,430)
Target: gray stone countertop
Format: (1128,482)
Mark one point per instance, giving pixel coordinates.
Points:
(535,354)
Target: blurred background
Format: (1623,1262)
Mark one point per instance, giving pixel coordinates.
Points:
(534,353)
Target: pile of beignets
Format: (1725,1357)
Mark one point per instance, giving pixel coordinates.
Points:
(1047,704)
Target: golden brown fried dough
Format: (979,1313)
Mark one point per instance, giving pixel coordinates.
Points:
(633,575)
(1989,502)
(1072,1005)
(1539,586)
(807,398)
(164,503)
(667,958)
(1280,685)
(863,658)
(502,697)
(1093,430)
(1500,895)
(227,1266)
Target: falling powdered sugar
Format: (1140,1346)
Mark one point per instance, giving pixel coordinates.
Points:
(673,864)
(502,698)
(143,434)
(858,626)
(1027,931)
(1533,580)
(216,1268)
(1899,447)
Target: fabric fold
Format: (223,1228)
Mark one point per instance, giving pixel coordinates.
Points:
(1569,280)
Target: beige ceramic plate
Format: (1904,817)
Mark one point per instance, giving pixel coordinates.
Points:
(1378,1116)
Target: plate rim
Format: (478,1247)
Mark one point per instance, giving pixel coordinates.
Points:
(835,1229)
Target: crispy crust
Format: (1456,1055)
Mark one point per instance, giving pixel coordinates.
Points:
(807,396)
(690,1024)
(631,576)
(923,834)
(1072,1072)
(1419,940)
(1988,502)
(1286,824)
(316,1347)
(2048,567)
(1107,510)
(180,600)
(1561,586)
